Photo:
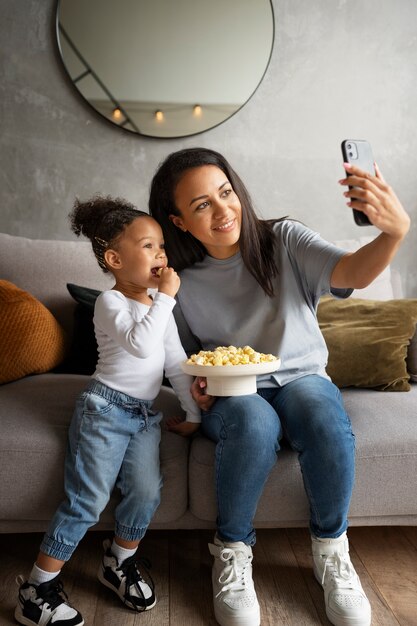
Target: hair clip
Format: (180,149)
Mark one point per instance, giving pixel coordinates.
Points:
(101,242)
(99,247)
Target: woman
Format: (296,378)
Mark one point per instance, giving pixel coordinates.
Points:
(250,281)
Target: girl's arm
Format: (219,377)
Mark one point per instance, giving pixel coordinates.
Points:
(181,382)
(373,196)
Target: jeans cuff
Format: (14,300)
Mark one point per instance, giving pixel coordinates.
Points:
(56,549)
(129,534)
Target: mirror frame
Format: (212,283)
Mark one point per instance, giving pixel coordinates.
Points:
(110,96)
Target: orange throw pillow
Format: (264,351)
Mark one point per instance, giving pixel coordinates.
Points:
(31,340)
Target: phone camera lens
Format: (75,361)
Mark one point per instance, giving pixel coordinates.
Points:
(349,146)
(351,154)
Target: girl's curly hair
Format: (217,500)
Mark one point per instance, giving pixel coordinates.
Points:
(102,219)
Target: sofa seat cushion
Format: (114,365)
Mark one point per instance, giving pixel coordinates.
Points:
(385,426)
(386,465)
(31,340)
(36,412)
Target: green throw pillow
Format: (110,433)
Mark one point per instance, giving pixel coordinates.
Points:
(368,341)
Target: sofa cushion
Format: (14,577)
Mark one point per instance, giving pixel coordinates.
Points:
(44,268)
(36,412)
(31,340)
(386,452)
(368,341)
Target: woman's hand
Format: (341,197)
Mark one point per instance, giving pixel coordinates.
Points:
(178,425)
(374,197)
(377,200)
(198,392)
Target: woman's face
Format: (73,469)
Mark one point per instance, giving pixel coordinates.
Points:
(209,209)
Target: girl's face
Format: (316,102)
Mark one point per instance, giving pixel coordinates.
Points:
(138,253)
(209,209)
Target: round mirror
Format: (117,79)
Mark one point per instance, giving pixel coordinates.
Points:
(165,68)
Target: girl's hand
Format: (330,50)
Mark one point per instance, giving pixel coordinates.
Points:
(198,392)
(178,425)
(374,197)
(169,282)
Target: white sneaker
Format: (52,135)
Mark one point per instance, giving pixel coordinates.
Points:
(346,602)
(234,596)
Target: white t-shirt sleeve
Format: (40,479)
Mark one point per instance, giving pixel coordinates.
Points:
(314,258)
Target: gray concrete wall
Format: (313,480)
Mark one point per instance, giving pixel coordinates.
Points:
(340,69)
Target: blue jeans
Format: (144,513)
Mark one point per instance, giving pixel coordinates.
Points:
(113,440)
(309,413)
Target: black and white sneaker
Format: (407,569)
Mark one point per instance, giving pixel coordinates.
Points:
(126,580)
(45,604)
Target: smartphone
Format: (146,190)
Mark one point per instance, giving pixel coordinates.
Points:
(359,152)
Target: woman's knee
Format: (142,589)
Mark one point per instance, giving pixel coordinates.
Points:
(248,419)
(313,414)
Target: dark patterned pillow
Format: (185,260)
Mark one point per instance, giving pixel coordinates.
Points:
(83,354)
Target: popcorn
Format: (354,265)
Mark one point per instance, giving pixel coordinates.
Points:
(229,356)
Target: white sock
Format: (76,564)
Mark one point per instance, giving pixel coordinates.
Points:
(120,553)
(38,576)
(341,537)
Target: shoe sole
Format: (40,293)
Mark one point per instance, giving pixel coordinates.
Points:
(235,620)
(106,583)
(337,620)
(21,619)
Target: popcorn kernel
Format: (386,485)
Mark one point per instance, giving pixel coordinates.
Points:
(229,356)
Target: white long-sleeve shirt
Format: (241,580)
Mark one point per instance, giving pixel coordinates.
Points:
(136,344)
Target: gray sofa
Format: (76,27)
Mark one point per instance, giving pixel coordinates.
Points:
(35,412)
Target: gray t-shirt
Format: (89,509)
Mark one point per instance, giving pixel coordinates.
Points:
(221,303)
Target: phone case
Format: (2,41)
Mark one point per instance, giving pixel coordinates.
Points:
(359,152)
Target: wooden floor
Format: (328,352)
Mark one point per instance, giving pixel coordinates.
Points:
(384,557)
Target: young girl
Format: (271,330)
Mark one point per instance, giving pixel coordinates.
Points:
(250,281)
(114,434)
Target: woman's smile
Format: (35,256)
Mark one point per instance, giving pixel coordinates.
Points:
(227,226)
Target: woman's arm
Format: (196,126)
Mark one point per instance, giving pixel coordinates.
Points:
(373,196)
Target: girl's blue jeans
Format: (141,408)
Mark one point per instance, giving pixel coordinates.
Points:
(113,441)
(309,414)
